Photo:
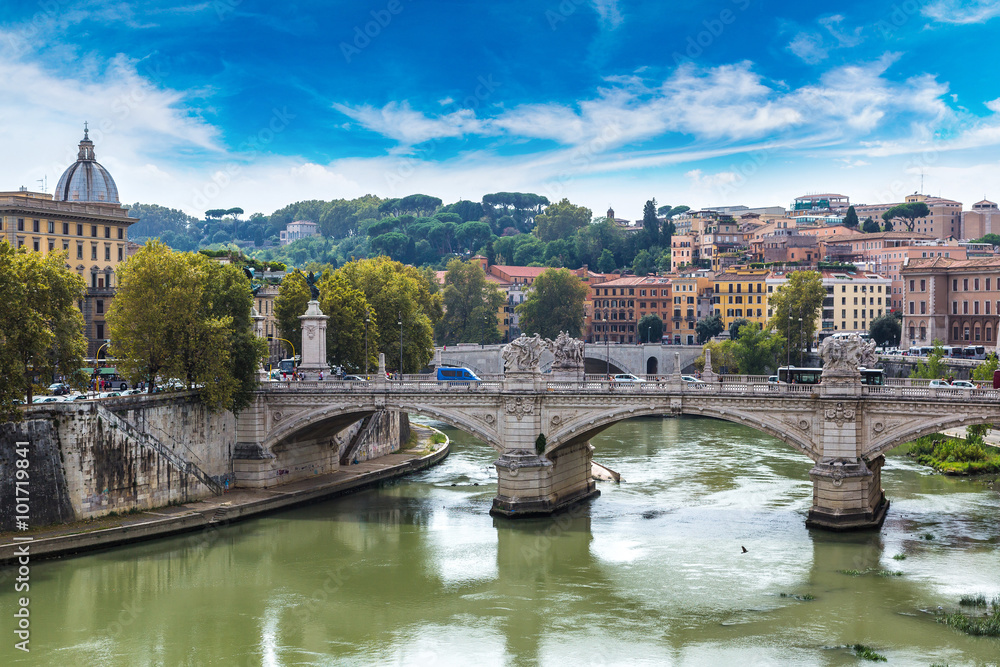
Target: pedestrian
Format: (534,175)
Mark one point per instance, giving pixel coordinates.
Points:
(321,376)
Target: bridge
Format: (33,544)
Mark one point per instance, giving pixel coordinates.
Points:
(841,425)
(649,359)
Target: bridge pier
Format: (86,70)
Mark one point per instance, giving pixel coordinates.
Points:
(848,496)
(529,484)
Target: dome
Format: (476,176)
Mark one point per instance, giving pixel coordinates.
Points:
(86,180)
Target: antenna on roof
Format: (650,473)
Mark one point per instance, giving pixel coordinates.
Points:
(44,180)
(921,181)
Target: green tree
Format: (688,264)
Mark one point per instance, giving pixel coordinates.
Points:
(347,309)
(934,368)
(734,327)
(606,264)
(801,297)
(756,349)
(41,330)
(561,220)
(292,301)
(709,327)
(886,329)
(395,293)
(650,222)
(992,239)
(650,329)
(851,219)
(887,226)
(870,226)
(470,306)
(643,263)
(553,304)
(984,371)
(723,356)
(908,213)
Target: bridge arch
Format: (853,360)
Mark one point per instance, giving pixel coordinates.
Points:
(335,418)
(899,436)
(590,425)
(652,366)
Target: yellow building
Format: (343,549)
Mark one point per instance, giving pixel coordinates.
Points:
(741,293)
(85,219)
(693,296)
(853,299)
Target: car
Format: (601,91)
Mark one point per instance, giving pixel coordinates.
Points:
(963,384)
(48,399)
(81,397)
(353,378)
(772,379)
(133,392)
(59,388)
(691,378)
(625,378)
(109,394)
(939,383)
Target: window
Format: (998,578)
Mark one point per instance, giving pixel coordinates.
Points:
(66,228)
(912,306)
(107,253)
(954,284)
(913,332)
(34,244)
(20,224)
(923,286)
(975,307)
(100,330)
(989,334)
(966,333)
(52,227)
(107,232)
(954,332)
(965,284)
(121,232)
(120,253)
(52,245)
(923,307)
(93,251)
(965,307)
(987,284)
(975,284)
(79,251)
(79,230)
(100,306)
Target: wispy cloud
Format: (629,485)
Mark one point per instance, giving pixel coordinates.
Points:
(962,11)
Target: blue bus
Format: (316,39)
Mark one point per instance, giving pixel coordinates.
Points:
(457,375)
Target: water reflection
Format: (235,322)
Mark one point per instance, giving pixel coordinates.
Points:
(652,572)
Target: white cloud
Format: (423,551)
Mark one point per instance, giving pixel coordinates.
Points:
(397,120)
(808,47)
(994,105)
(962,11)
(608,10)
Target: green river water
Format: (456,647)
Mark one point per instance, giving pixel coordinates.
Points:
(651,573)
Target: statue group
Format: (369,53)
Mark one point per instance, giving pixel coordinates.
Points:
(523,354)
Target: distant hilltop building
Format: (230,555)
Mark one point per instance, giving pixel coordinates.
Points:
(983,219)
(300,229)
(83,218)
(827,202)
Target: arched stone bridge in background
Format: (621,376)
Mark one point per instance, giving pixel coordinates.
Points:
(844,429)
(651,359)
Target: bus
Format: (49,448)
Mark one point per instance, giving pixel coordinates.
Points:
(450,374)
(791,375)
(288,365)
(973,352)
(107,373)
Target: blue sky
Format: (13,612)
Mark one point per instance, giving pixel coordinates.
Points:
(256,104)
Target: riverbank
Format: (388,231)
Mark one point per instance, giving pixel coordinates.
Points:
(216,512)
(954,456)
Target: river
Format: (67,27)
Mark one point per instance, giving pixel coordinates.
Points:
(650,573)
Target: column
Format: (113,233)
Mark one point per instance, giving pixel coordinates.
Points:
(314,340)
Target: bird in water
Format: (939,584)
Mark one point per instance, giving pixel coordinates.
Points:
(744,549)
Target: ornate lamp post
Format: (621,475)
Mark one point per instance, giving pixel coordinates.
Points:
(400,346)
(800,341)
(367,320)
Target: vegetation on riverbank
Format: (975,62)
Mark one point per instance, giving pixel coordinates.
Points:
(986,625)
(954,456)
(868,653)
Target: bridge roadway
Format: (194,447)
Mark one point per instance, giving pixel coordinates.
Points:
(651,358)
(844,430)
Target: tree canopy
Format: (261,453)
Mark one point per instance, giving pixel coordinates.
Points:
(801,297)
(560,221)
(851,219)
(41,329)
(470,306)
(650,329)
(886,329)
(709,327)
(908,213)
(554,303)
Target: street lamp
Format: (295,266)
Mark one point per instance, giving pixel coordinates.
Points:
(367,319)
(788,342)
(800,341)
(400,346)
(607,351)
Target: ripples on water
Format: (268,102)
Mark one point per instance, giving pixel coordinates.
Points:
(652,572)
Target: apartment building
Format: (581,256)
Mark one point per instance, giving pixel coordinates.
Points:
(956,301)
(944,220)
(740,293)
(693,299)
(983,219)
(619,304)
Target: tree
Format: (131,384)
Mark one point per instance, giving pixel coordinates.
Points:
(734,327)
(606,264)
(554,303)
(709,327)
(801,297)
(643,263)
(992,239)
(650,329)
(41,330)
(561,220)
(650,222)
(887,226)
(723,357)
(933,368)
(851,219)
(982,373)
(870,226)
(292,301)
(470,306)
(756,349)
(473,235)
(886,329)
(347,309)
(183,315)
(908,213)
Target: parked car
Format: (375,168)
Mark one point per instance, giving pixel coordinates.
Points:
(939,383)
(48,399)
(691,378)
(353,378)
(625,378)
(963,384)
(772,379)
(59,388)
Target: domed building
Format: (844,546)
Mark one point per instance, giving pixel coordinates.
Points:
(83,218)
(86,180)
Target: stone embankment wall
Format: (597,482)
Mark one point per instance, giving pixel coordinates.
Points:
(89,459)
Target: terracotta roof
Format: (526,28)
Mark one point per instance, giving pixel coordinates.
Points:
(953,263)
(633,281)
(896,235)
(521,271)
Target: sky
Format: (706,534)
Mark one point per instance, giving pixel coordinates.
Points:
(257,104)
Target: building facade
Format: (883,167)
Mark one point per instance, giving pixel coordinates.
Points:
(300,229)
(983,219)
(952,300)
(83,218)
(944,220)
(619,304)
(740,293)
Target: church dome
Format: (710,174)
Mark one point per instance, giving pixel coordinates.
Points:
(86,180)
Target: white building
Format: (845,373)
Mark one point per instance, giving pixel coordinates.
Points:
(299,229)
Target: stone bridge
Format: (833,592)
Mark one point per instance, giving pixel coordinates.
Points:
(845,428)
(651,359)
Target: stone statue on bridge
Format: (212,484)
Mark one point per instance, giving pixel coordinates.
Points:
(568,351)
(842,357)
(522,354)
